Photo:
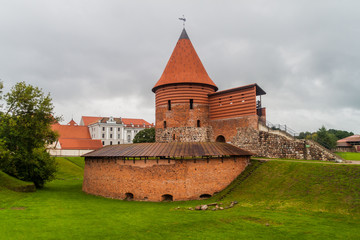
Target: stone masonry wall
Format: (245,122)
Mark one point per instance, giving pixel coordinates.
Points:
(183,134)
(151,179)
(265,144)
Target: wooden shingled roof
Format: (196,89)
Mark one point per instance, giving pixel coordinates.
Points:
(175,149)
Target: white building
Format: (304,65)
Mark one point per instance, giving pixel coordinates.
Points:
(112,131)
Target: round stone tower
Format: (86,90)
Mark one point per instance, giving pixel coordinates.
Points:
(181,96)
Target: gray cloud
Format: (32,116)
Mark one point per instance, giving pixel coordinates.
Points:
(103,57)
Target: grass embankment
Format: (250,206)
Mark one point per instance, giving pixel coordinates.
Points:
(70,168)
(12,189)
(294,185)
(278,200)
(349,155)
(15,184)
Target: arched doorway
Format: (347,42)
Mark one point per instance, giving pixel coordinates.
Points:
(166,198)
(129,196)
(220,138)
(205,196)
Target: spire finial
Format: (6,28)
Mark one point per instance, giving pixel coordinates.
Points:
(184,20)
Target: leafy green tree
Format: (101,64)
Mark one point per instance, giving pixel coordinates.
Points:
(146,135)
(340,134)
(304,135)
(325,138)
(25,130)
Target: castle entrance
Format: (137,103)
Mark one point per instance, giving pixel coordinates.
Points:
(220,138)
(129,196)
(166,198)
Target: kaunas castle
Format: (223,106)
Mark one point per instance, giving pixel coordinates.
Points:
(204,139)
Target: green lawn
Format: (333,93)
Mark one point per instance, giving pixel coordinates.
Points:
(349,155)
(279,200)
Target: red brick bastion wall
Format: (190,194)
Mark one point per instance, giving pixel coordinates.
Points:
(151,179)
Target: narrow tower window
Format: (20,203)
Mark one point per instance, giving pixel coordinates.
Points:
(169,104)
(164,124)
(191,103)
(198,123)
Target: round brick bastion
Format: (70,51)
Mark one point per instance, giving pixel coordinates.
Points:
(163,171)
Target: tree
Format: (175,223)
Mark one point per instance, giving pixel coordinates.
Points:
(146,135)
(325,138)
(25,130)
(340,134)
(304,135)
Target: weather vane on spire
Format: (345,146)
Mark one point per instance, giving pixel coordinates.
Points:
(183,19)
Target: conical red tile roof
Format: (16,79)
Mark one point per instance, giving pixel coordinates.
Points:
(184,66)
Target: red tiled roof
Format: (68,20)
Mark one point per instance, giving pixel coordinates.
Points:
(135,121)
(353,138)
(127,121)
(75,137)
(89,120)
(69,131)
(72,123)
(71,143)
(184,66)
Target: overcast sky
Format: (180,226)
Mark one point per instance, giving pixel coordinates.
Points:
(101,58)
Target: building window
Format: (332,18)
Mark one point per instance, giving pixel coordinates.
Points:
(198,123)
(110,135)
(103,143)
(118,136)
(119,129)
(103,135)
(164,124)
(110,142)
(111,129)
(169,104)
(128,138)
(103,128)
(191,103)
(118,142)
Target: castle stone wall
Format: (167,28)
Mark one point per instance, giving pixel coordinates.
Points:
(227,127)
(266,144)
(183,134)
(151,179)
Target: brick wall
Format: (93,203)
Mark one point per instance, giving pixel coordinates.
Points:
(227,127)
(151,179)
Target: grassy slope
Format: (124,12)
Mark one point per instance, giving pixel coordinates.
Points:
(15,184)
(69,168)
(273,204)
(77,161)
(312,186)
(349,155)
(12,189)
